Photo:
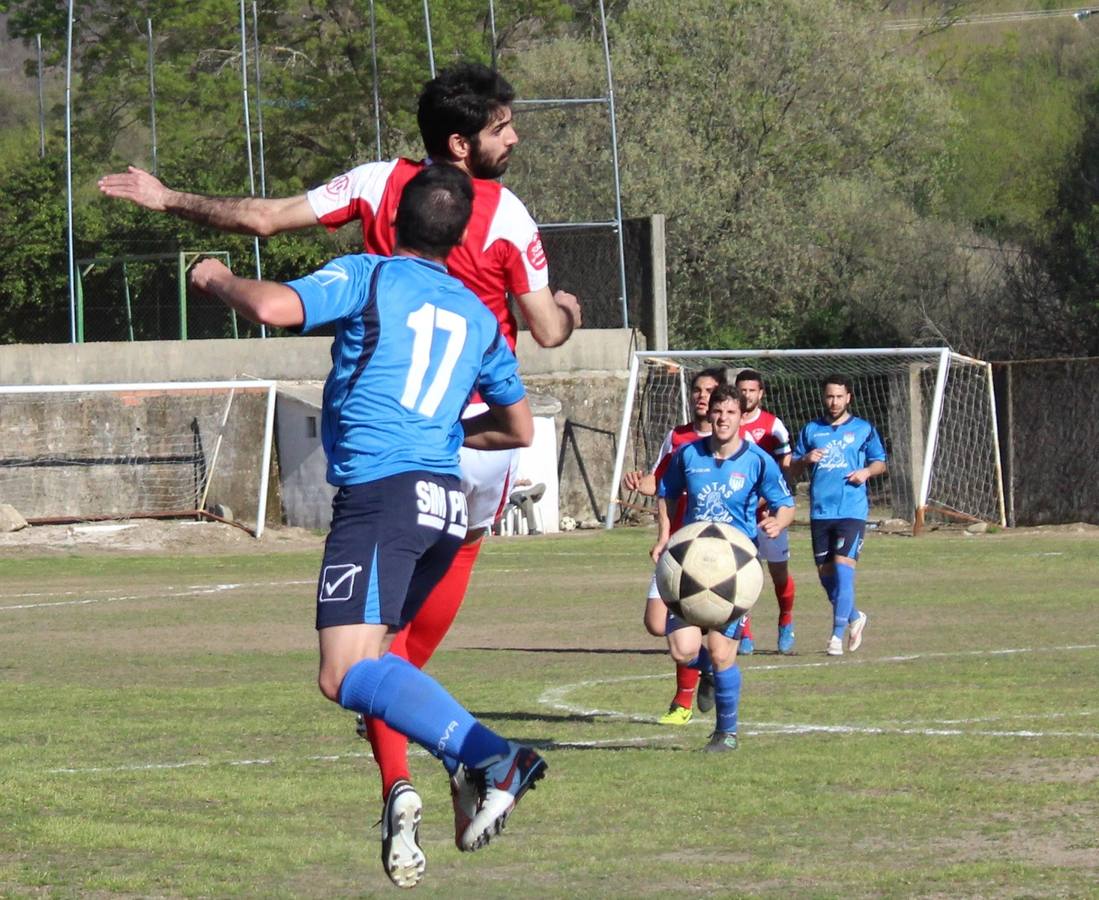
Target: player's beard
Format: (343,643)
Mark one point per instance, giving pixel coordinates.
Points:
(482,166)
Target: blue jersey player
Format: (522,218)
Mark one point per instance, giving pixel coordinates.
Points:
(723,477)
(841,452)
(411,344)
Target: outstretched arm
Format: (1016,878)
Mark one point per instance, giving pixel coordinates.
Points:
(262,302)
(550,317)
(261,216)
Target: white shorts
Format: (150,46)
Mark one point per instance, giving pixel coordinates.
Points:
(487,478)
(774,550)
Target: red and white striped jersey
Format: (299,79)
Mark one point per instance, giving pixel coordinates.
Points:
(766,430)
(502,251)
(676,438)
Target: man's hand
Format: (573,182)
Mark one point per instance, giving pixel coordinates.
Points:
(814,456)
(770,526)
(657,550)
(571,306)
(642,482)
(206,273)
(137,186)
(859,476)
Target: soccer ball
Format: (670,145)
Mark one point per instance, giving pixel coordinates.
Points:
(709,574)
(567,523)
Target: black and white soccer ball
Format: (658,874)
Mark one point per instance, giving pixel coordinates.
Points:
(709,574)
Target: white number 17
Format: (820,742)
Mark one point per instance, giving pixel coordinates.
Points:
(425,322)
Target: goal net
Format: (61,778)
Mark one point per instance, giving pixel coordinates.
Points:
(934,409)
(88,452)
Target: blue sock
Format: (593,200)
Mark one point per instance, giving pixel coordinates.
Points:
(727,697)
(416,705)
(828,582)
(845,598)
(703,662)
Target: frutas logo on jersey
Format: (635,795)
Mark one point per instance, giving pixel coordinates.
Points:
(337,186)
(833,456)
(536,253)
(710,503)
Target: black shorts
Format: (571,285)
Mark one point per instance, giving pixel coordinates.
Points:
(836,537)
(391,541)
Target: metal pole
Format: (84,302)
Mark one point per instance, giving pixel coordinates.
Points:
(492,29)
(129,305)
(181,269)
(933,428)
(69,173)
(617,182)
(41,103)
(248,134)
(259,102)
(374,69)
(430,48)
(152,95)
(623,438)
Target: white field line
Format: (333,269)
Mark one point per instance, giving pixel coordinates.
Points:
(555,698)
(161,593)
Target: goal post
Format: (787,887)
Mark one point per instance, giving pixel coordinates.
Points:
(935,410)
(89,452)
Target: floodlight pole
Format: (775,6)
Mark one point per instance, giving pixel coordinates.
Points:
(374,69)
(430,48)
(152,93)
(41,102)
(248,135)
(69,173)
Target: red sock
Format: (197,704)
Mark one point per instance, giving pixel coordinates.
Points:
(686,680)
(416,642)
(746,629)
(784,593)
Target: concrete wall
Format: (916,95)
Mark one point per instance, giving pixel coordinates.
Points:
(587,375)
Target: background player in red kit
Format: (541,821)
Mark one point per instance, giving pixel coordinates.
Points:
(767,430)
(465,119)
(656,613)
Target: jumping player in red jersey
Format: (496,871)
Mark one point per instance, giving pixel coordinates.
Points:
(656,613)
(465,120)
(767,430)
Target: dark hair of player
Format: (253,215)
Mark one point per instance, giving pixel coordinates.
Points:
(842,380)
(434,210)
(461,99)
(749,375)
(716,374)
(726,392)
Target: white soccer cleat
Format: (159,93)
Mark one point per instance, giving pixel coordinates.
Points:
(466,798)
(835,646)
(502,785)
(854,635)
(403,860)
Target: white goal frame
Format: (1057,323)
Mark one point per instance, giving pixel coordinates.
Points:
(229,386)
(933,409)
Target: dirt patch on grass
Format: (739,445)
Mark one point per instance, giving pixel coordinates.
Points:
(153,536)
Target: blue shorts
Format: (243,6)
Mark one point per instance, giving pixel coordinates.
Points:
(391,541)
(836,537)
(732,630)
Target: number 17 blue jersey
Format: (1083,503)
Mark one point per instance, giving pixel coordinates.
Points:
(411,345)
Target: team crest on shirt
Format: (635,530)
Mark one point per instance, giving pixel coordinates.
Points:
(757,434)
(536,253)
(337,186)
(737,481)
(849,437)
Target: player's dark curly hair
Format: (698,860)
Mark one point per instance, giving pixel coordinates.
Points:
(726,392)
(749,375)
(835,378)
(434,209)
(461,99)
(717,374)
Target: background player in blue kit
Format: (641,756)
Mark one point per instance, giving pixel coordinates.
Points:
(411,345)
(724,477)
(842,453)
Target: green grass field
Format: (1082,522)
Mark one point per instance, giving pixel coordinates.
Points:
(161,735)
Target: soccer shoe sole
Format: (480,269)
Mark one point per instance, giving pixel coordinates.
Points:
(403,860)
(485,833)
(464,798)
(854,637)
